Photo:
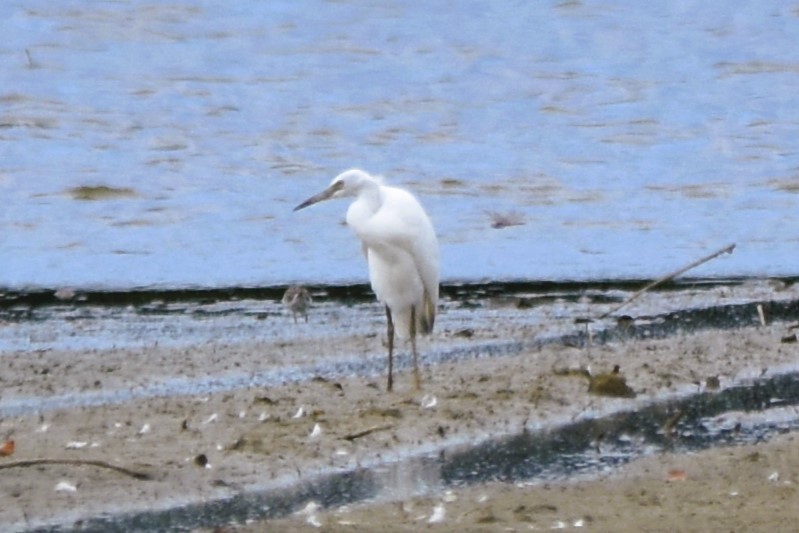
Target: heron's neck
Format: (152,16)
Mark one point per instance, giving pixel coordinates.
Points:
(370,196)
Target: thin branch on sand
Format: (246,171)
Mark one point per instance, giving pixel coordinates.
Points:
(76,462)
(367,431)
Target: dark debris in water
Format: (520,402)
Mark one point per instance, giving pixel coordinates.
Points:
(505,220)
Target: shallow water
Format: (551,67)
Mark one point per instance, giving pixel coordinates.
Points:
(627,138)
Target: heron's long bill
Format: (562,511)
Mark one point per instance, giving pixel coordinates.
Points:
(316,198)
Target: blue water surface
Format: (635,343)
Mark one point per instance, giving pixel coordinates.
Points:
(624,138)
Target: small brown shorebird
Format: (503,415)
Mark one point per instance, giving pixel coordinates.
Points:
(297,300)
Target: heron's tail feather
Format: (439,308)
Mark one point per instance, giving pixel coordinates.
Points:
(428,315)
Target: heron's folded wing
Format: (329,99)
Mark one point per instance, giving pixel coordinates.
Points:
(405,225)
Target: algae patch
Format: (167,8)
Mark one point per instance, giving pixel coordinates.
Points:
(100,192)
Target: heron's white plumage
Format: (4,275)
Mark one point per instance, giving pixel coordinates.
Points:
(401,249)
(400,245)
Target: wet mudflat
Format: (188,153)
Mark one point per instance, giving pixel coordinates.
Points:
(741,488)
(211,427)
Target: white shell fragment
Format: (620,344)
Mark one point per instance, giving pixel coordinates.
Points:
(210,419)
(309,511)
(775,476)
(76,445)
(310,508)
(300,412)
(317,430)
(439,512)
(145,429)
(429,401)
(65,486)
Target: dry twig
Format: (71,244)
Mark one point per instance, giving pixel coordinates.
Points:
(76,462)
(727,249)
(367,431)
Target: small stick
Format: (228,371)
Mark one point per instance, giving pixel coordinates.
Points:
(761,315)
(352,436)
(77,462)
(727,249)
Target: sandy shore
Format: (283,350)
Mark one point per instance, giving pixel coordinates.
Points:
(742,488)
(201,447)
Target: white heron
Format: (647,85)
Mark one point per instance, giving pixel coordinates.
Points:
(401,248)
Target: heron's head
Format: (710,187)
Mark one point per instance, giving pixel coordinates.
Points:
(348,183)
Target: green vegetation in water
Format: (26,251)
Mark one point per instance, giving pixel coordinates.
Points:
(100,192)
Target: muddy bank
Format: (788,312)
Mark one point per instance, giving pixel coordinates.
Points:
(197,424)
(741,488)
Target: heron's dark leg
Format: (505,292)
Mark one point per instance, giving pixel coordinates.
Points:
(416,379)
(390,332)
